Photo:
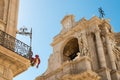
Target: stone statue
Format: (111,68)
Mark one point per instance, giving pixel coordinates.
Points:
(84,46)
(116,51)
(77,57)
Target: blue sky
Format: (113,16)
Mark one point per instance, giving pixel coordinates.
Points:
(44,16)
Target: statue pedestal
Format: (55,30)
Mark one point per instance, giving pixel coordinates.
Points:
(104,73)
(78,69)
(115,75)
(81,64)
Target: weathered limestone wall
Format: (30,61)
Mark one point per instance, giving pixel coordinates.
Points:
(5,73)
(117,38)
(95,39)
(70,68)
(93,51)
(9,16)
(11,64)
(1,9)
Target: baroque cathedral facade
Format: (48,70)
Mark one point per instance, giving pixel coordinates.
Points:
(84,50)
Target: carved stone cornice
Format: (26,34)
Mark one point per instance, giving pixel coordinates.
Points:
(81,25)
(87,75)
(94,21)
(66,66)
(103,69)
(13,61)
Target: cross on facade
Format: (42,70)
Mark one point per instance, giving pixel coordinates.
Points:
(102,14)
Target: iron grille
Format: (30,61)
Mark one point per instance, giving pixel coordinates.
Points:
(14,44)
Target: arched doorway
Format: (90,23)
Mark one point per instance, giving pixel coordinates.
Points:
(70,49)
(1,9)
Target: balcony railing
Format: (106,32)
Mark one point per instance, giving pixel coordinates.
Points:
(14,44)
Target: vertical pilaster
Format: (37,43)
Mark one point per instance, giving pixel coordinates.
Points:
(109,49)
(12,16)
(100,49)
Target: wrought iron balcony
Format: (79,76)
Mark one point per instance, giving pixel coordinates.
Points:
(14,44)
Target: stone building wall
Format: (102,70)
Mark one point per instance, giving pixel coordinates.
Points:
(11,63)
(9,16)
(83,46)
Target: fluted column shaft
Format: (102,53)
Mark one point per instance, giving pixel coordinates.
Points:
(110,52)
(100,49)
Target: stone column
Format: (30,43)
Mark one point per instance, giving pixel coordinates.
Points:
(109,49)
(100,49)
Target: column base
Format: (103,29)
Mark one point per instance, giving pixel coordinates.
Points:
(104,73)
(115,75)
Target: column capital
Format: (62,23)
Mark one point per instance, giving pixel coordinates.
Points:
(97,30)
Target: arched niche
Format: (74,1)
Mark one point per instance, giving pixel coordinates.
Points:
(1,9)
(70,49)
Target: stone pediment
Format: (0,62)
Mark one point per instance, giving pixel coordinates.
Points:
(75,27)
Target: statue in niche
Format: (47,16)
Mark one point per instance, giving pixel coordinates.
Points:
(102,32)
(83,45)
(117,56)
(77,57)
(118,62)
